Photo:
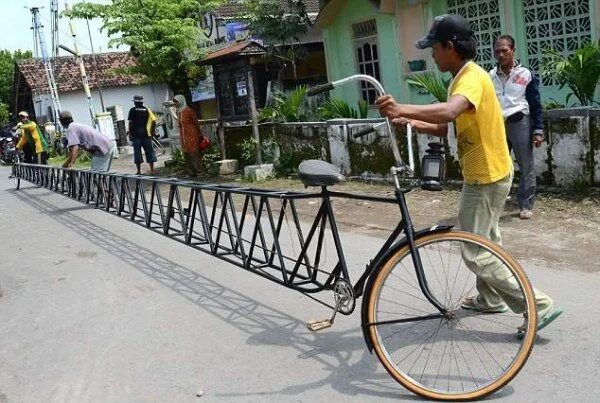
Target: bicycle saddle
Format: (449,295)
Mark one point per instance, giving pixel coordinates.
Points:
(319,173)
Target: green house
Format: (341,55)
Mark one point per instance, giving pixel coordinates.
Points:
(377,37)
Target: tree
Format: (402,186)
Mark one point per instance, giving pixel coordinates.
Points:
(7,73)
(278,22)
(162,34)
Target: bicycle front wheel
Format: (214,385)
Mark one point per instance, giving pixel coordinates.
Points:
(16,178)
(463,354)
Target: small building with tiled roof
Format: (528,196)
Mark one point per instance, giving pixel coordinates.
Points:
(225,31)
(106,72)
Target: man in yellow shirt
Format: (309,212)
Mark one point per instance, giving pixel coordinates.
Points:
(32,136)
(482,152)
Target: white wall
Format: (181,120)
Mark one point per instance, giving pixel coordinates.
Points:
(76,102)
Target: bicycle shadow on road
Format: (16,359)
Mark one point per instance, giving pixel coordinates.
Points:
(263,324)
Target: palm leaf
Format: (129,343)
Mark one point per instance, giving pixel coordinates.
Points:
(337,108)
(431,84)
(580,71)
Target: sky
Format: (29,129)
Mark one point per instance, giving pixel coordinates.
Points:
(16,33)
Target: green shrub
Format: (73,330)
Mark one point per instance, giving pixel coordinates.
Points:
(285,165)
(287,107)
(580,71)
(337,108)
(580,186)
(268,150)
(209,157)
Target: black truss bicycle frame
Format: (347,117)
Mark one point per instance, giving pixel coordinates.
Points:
(218,228)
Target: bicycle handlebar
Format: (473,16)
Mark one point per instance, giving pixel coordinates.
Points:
(379,88)
(319,89)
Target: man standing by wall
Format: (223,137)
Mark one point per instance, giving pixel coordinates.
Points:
(517,90)
(88,139)
(142,124)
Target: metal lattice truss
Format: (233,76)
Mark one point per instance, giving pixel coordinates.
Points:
(256,229)
(557,24)
(484,18)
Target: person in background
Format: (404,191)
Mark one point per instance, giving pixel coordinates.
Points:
(7,131)
(517,90)
(87,138)
(32,137)
(190,135)
(483,156)
(142,122)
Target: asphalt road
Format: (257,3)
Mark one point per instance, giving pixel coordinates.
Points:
(96,309)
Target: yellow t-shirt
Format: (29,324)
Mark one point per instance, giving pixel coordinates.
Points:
(482,148)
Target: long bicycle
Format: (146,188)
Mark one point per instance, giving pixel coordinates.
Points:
(412,289)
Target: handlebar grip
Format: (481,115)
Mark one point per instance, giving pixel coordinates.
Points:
(319,89)
(364,132)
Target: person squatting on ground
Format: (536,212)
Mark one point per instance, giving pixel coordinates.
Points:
(87,138)
(31,136)
(142,124)
(190,135)
(483,156)
(517,91)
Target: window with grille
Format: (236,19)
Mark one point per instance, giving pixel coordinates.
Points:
(366,47)
(484,18)
(558,24)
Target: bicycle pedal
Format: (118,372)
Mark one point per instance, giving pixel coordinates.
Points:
(316,325)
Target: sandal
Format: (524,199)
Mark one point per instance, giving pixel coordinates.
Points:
(525,214)
(545,321)
(469,303)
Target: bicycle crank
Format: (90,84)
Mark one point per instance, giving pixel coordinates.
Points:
(343,295)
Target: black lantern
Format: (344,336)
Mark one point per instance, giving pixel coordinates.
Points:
(433,168)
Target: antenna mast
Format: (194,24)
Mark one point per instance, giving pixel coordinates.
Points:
(40,48)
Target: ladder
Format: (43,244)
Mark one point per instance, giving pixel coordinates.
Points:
(40,42)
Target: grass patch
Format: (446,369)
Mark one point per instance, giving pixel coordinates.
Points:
(83,161)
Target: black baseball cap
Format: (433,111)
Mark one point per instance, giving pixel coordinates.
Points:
(445,28)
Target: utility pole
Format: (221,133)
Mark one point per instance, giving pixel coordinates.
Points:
(40,47)
(86,85)
(54,27)
(96,65)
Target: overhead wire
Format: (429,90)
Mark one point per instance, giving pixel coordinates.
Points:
(68,34)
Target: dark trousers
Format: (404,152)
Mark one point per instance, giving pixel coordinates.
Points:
(520,142)
(146,144)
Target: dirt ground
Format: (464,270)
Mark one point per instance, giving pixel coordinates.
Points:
(564,233)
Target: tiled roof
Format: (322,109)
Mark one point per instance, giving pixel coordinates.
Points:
(247,48)
(233,8)
(68,78)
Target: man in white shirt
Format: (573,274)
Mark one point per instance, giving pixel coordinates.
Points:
(517,91)
(84,137)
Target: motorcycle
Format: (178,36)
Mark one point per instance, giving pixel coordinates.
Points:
(7,149)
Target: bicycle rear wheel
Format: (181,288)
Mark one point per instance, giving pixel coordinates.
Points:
(465,354)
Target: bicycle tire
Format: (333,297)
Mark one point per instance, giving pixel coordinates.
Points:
(16,178)
(377,329)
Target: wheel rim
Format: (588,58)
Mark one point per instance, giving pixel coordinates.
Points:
(465,354)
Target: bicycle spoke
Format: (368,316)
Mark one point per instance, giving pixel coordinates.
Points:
(456,355)
(409,294)
(406,306)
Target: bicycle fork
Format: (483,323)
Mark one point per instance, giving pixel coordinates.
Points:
(414,252)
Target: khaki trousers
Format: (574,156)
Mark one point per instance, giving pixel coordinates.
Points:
(480,209)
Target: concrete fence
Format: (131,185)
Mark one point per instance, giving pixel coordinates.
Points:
(571,152)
